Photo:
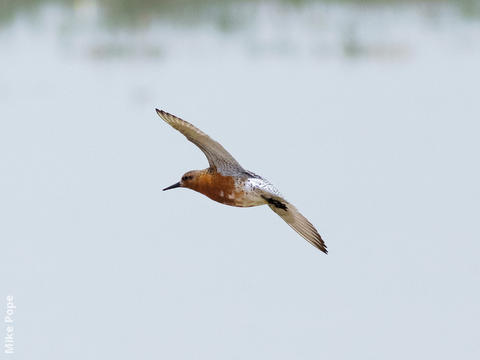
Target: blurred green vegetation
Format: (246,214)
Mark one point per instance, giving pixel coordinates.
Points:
(138,13)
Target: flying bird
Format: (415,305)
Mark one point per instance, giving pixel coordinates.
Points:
(227,182)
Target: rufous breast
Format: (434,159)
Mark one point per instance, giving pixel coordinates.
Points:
(223,189)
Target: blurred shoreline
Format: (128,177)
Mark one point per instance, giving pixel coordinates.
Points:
(310,29)
(225,15)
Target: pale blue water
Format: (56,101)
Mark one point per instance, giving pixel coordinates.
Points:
(366,117)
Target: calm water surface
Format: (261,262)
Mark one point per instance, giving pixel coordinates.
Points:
(364,114)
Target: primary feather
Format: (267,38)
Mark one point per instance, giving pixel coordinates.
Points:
(219,159)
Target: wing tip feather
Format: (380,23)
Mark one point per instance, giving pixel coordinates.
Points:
(163,114)
(321,246)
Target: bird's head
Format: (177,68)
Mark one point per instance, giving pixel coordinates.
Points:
(188,180)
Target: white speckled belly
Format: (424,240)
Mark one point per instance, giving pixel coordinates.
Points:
(251,190)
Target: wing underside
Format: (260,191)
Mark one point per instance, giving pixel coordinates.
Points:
(296,221)
(218,158)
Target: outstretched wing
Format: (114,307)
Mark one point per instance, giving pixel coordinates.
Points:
(297,221)
(217,156)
